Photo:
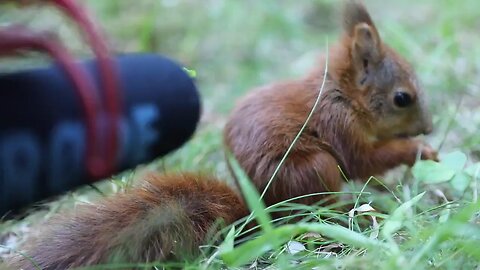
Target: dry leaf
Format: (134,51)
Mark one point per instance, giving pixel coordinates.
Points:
(294,247)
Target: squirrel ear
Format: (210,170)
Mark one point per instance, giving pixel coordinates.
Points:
(354,13)
(359,26)
(366,46)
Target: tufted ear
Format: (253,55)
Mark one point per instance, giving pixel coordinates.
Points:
(354,13)
(366,46)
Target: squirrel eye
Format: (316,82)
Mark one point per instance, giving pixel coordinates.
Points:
(402,99)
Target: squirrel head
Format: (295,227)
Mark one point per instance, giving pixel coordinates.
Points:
(379,79)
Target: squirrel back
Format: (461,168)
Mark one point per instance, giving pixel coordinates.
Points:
(166,218)
(371,108)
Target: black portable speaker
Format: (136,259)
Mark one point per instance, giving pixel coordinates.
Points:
(43,132)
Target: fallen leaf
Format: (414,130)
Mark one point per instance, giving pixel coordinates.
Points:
(294,247)
(431,172)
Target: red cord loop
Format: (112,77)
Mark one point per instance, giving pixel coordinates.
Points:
(109,79)
(101,156)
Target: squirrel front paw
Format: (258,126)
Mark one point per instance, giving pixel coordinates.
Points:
(427,152)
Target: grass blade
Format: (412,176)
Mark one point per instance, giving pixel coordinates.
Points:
(250,193)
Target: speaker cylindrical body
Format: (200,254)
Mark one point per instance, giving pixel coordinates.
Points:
(42,124)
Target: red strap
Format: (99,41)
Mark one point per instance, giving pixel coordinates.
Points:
(17,38)
(110,83)
(101,156)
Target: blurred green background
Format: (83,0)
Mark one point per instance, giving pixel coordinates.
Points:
(236,45)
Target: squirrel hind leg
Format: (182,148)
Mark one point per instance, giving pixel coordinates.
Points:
(303,174)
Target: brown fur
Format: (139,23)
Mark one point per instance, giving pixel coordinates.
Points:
(356,124)
(168,217)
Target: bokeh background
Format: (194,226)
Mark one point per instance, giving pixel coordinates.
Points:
(236,45)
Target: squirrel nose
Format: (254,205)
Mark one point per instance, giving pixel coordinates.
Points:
(428,129)
(426,122)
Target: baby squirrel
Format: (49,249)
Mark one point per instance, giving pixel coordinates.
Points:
(370,109)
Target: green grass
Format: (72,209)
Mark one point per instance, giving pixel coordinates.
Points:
(427,217)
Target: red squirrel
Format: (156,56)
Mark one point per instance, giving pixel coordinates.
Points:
(368,114)
(370,109)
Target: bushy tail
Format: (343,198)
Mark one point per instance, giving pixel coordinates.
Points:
(167,217)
